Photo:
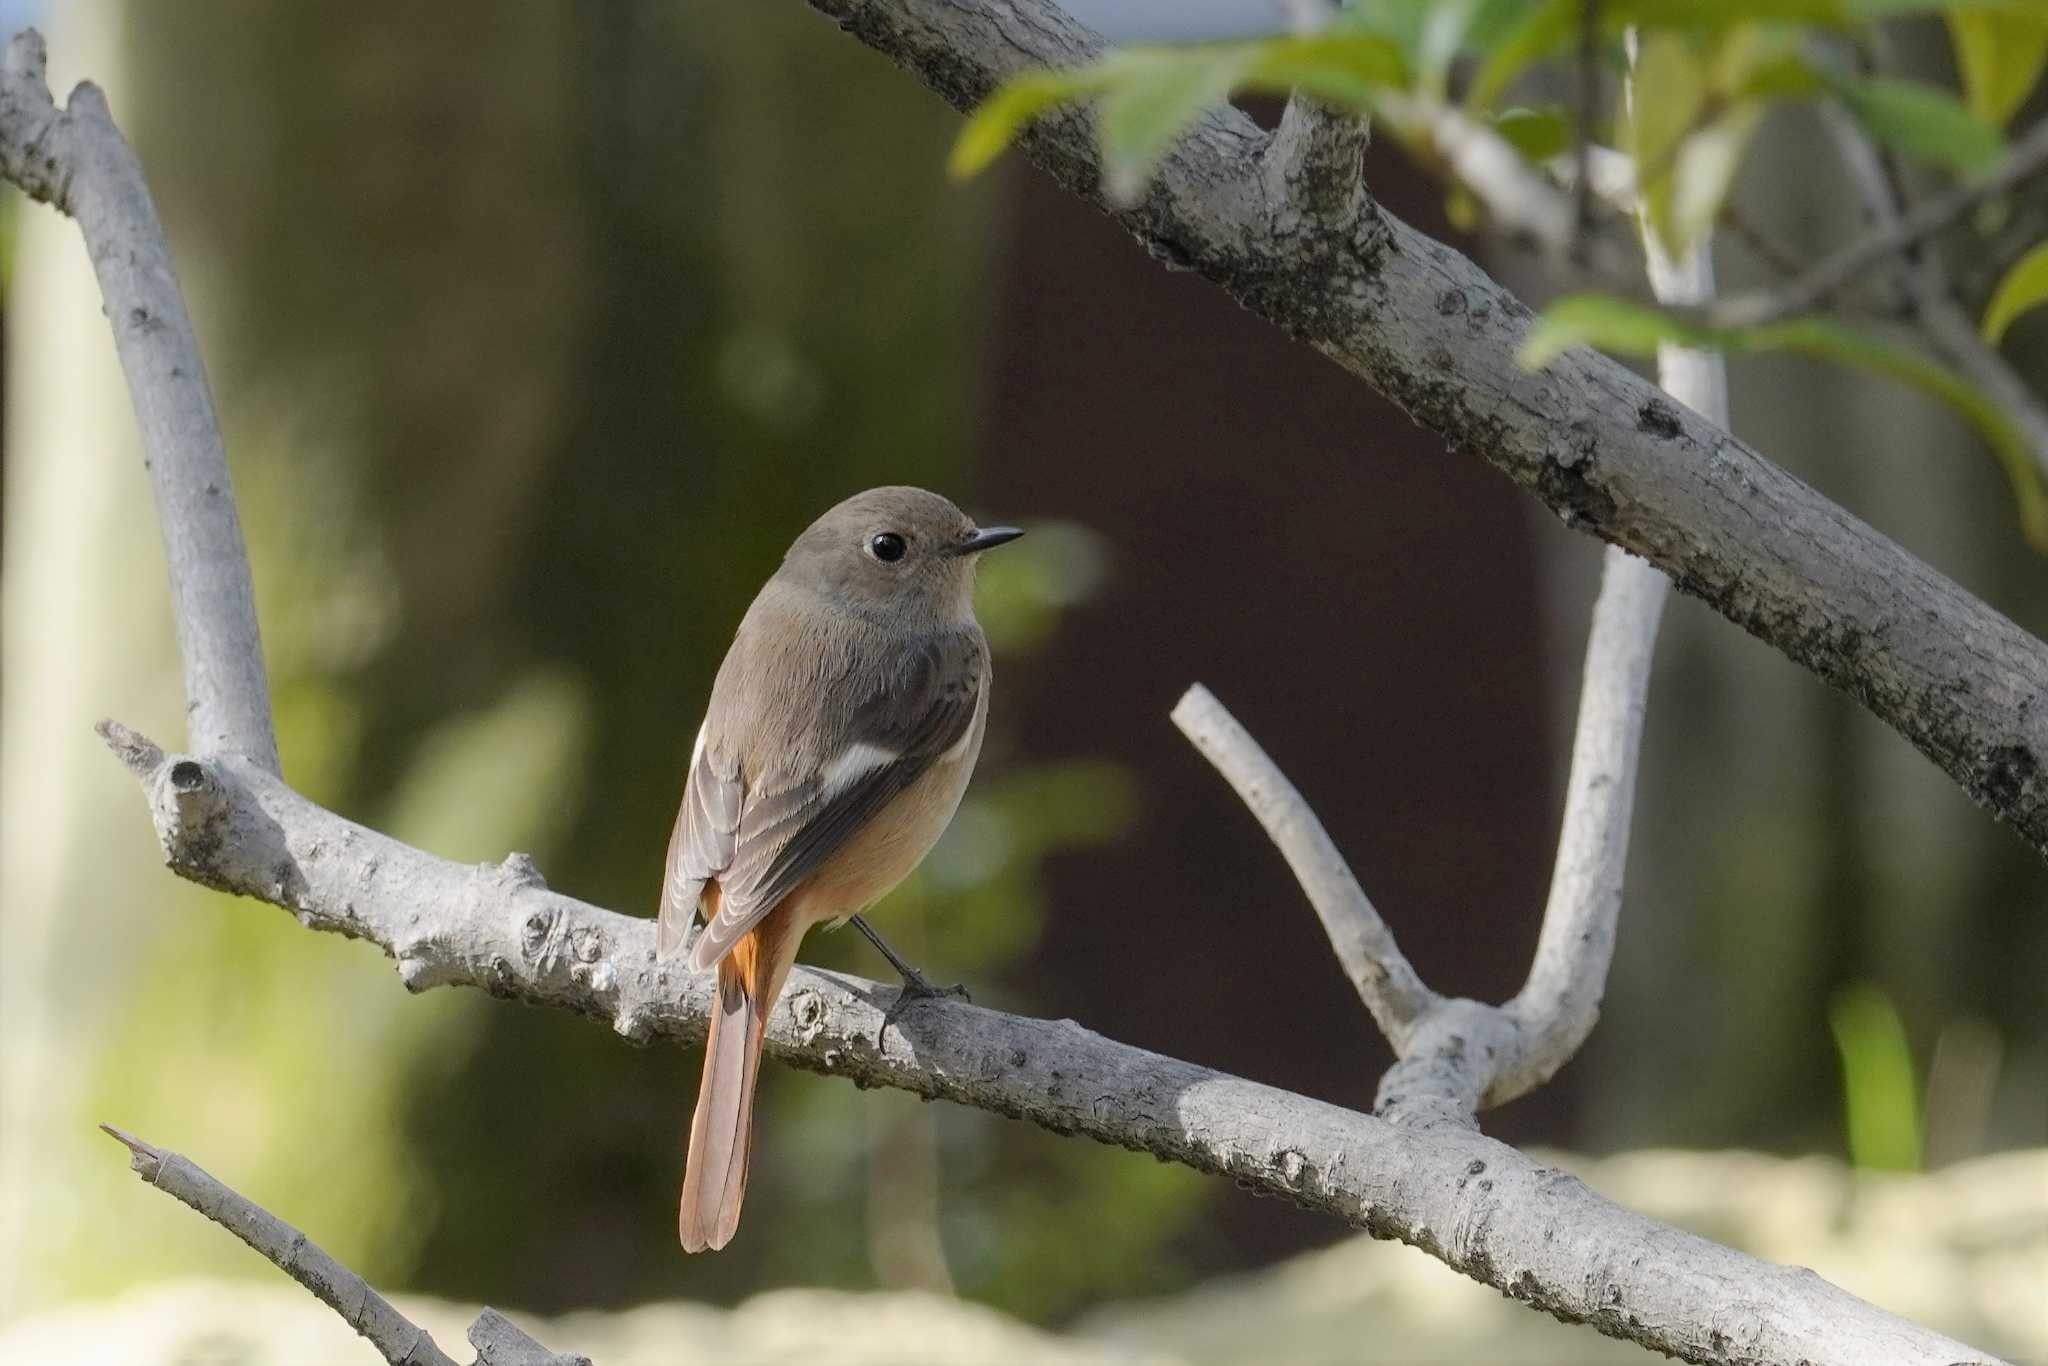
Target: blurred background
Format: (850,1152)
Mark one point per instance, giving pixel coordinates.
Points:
(537,332)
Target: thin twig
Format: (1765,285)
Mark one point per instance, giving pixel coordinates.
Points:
(397,1339)
(400,1341)
(1898,236)
(1923,280)
(1776,257)
(1364,946)
(1561,1000)
(77,160)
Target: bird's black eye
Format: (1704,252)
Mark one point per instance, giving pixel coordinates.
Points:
(886,546)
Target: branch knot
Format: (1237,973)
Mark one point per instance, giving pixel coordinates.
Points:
(1314,170)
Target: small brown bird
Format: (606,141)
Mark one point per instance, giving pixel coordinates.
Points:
(842,728)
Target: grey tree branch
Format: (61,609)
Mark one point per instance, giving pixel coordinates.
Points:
(1892,239)
(227,819)
(76,160)
(1602,448)
(1533,1232)
(1558,1005)
(1560,1002)
(1364,946)
(1924,280)
(397,1339)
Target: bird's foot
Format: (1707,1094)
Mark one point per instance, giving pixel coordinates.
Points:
(916,986)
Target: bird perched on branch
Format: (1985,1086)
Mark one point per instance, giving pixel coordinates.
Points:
(842,728)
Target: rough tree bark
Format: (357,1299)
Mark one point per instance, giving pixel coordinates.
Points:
(1423,1173)
(1609,455)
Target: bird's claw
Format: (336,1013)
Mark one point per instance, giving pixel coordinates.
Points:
(916,987)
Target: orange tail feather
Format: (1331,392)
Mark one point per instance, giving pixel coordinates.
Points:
(750,978)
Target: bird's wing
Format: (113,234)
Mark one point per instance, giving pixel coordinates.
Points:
(702,843)
(791,823)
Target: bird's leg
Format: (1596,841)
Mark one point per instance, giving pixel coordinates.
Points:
(915,984)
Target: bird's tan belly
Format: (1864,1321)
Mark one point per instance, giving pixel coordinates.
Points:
(884,851)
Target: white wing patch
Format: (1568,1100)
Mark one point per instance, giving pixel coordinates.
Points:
(859,759)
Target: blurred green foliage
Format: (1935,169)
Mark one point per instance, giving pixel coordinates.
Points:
(578,321)
(2022,288)
(1880,1096)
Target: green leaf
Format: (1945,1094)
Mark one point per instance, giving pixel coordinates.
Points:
(1452,26)
(2001,55)
(1607,322)
(1762,61)
(1786,76)
(1711,14)
(2024,286)
(1156,95)
(1547,26)
(1705,170)
(1621,325)
(1538,134)
(1337,66)
(1827,13)
(1920,120)
(1151,95)
(1878,1090)
(1399,21)
(1671,90)
(1867,11)
(997,121)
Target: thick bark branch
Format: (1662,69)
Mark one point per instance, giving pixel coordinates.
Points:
(400,1341)
(1600,446)
(1531,1231)
(76,160)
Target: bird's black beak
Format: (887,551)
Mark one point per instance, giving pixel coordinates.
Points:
(987,538)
